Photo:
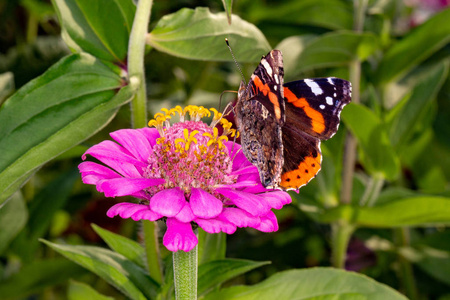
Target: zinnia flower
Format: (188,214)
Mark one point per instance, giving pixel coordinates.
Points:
(185,174)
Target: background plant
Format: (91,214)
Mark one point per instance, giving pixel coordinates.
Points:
(380,205)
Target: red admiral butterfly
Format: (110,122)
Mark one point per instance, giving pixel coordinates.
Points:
(282,124)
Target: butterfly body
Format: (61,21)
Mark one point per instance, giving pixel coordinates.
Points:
(282,124)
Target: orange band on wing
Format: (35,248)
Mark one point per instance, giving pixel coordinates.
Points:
(265,89)
(317,121)
(305,171)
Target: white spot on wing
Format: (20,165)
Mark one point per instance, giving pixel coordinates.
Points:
(334,95)
(329,100)
(322,106)
(267,67)
(315,88)
(330,80)
(275,87)
(276,79)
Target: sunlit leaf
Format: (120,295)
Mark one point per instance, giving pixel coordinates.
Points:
(213,273)
(199,34)
(70,102)
(130,249)
(123,274)
(312,284)
(100,27)
(412,211)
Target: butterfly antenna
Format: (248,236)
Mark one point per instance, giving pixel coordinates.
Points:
(235,61)
(221,95)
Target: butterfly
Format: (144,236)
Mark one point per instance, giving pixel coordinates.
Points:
(282,124)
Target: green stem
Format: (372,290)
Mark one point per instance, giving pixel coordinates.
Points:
(341,234)
(154,267)
(185,269)
(360,7)
(136,51)
(406,271)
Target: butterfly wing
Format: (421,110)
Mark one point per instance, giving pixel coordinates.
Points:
(313,108)
(260,116)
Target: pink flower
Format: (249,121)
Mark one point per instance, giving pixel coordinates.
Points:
(185,174)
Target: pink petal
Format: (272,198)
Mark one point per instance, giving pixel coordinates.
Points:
(151,134)
(216,225)
(135,211)
(92,172)
(185,215)
(134,141)
(126,186)
(239,217)
(168,202)
(116,157)
(179,236)
(204,205)
(276,199)
(251,203)
(268,223)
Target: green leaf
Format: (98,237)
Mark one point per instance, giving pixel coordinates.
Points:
(114,268)
(413,211)
(329,50)
(331,14)
(13,217)
(228,6)
(82,291)
(312,284)
(70,102)
(38,275)
(403,123)
(100,27)
(212,274)
(378,154)
(130,249)
(211,246)
(199,34)
(415,47)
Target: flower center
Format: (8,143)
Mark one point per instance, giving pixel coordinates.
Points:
(190,154)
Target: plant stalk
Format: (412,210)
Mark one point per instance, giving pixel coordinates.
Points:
(185,269)
(360,7)
(136,51)
(341,234)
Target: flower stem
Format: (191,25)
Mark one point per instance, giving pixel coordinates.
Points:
(185,267)
(341,234)
(406,275)
(136,51)
(355,78)
(152,253)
